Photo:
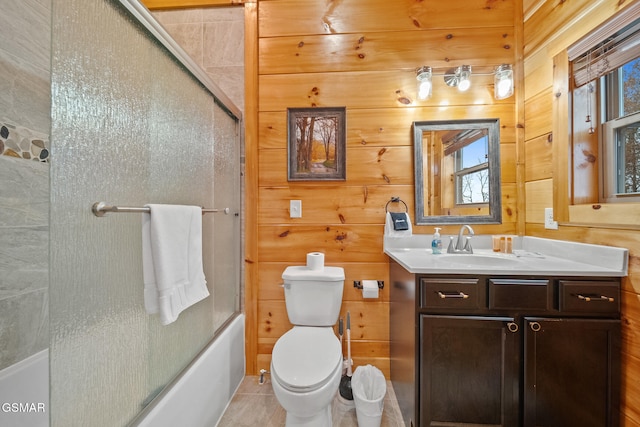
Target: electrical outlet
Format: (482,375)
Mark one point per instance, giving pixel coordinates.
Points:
(295,208)
(549,223)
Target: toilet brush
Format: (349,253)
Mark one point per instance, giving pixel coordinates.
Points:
(341,334)
(345,381)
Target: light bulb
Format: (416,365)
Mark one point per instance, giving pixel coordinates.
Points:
(503,82)
(504,88)
(424,82)
(464,77)
(424,90)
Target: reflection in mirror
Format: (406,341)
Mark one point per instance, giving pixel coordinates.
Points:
(457,171)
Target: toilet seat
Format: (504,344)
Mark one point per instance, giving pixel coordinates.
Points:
(305,357)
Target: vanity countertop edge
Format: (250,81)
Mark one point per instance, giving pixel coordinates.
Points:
(532,256)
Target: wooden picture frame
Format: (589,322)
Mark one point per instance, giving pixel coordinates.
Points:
(316,144)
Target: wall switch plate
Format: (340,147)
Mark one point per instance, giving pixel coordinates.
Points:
(549,223)
(295,208)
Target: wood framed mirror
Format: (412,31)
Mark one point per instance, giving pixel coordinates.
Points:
(457,172)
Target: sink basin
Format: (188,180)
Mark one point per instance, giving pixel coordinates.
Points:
(478,260)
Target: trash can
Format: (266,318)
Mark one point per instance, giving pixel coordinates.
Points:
(369,387)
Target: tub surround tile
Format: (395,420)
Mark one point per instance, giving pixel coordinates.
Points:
(24,30)
(31,105)
(24,193)
(25,83)
(24,94)
(23,326)
(229,35)
(218,14)
(189,37)
(16,282)
(180,16)
(214,39)
(25,121)
(24,262)
(22,143)
(231,78)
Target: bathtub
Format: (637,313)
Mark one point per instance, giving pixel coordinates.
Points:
(199,396)
(24,392)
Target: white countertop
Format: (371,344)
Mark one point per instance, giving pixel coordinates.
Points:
(532,256)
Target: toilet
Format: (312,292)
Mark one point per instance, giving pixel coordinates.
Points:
(306,362)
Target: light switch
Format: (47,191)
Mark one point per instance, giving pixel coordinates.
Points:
(295,208)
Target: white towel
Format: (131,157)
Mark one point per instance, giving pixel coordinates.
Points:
(172,260)
(391,232)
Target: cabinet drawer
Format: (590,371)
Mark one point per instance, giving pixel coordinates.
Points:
(590,297)
(452,293)
(515,294)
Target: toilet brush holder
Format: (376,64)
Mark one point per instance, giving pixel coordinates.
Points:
(346,394)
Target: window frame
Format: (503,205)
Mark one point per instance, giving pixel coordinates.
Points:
(609,162)
(460,172)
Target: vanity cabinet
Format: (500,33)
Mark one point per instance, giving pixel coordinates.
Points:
(469,369)
(571,372)
(513,351)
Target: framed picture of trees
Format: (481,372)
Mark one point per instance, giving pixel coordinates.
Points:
(317,144)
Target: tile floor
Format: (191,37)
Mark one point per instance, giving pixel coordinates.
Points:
(256,405)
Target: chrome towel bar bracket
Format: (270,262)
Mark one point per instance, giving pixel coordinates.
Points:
(101,209)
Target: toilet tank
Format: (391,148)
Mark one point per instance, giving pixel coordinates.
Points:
(313,297)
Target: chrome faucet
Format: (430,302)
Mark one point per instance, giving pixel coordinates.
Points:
(461,246)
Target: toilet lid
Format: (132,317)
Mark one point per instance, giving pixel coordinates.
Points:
(305,357)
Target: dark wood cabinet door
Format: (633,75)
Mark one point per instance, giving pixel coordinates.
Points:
(571,374)
(469,371)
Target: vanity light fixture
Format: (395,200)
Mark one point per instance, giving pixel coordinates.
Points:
(503,81)
(423,75)
(460,77)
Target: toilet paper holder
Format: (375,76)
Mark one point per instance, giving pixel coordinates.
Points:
(358,284)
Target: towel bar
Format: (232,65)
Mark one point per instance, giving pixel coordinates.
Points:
(101,208)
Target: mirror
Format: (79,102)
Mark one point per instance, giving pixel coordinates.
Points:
(457,171)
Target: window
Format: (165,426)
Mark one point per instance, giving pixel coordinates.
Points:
(621,133)
(472,172)
(606,76)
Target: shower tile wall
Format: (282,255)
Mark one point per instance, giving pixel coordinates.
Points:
(214,39)
(24,178)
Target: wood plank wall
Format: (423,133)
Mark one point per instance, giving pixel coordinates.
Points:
(362,54)
(549,28)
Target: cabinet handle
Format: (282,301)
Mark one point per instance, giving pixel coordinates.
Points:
(535,326)
(512,327)
(444,294)
(589,298)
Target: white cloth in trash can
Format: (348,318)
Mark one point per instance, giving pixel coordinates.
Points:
(369,388)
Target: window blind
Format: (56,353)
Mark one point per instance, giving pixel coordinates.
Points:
(607,48)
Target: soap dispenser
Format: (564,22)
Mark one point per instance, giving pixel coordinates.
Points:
(436,243)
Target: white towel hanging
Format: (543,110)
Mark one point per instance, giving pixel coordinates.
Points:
(172,259)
